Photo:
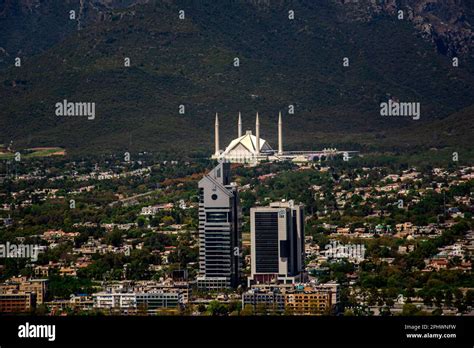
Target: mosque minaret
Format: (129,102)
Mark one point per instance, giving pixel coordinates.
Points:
(252,149)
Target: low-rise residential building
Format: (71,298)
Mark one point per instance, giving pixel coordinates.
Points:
(300,299)
(308,302)
(23,285)
(272,300)
(130,302)
(16,302)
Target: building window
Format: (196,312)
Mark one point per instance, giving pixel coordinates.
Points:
(216,217)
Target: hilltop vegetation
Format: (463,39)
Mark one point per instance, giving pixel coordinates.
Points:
(190,62)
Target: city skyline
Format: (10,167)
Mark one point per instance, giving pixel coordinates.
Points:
(245,172)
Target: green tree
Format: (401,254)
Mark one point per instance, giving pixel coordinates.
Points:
(216,308)
(247,310)
(410,309)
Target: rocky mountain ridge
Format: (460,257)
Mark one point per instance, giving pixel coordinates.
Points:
(445,23)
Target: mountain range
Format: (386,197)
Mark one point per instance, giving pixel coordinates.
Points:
(283,63)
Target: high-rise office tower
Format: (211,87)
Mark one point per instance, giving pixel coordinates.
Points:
(277,243)
(219,230)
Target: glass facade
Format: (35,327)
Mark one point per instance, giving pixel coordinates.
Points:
(266,242)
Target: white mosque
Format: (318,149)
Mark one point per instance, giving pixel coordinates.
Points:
(246,148)
(252,149)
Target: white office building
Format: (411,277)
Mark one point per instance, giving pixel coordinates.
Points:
(277,244)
